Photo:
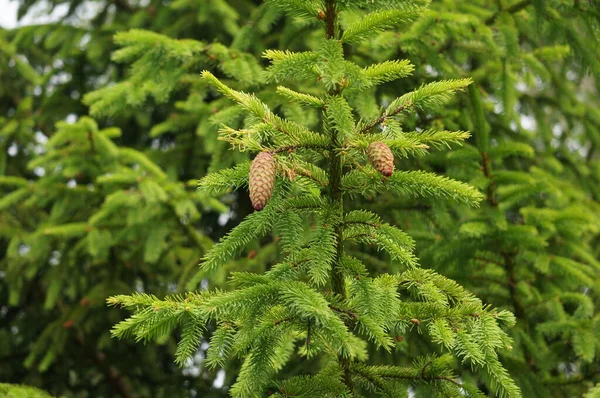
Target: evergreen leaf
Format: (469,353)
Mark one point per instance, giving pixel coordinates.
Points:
(374,22)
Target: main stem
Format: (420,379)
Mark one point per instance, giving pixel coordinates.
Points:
(335,171)
(335,167)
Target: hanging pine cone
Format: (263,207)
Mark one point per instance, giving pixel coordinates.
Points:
(262,179)
(381,157)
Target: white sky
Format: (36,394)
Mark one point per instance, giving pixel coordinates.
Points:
(37,14)
(8,13)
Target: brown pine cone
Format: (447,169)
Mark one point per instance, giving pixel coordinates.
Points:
(262,179)
(381,157)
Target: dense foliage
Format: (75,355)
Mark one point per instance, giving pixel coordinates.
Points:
(106,123)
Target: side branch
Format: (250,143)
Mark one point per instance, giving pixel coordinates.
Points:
(343,311)
(379,384)
(380,119)
(511,10)
(290,148)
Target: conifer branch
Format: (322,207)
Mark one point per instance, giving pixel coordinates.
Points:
(377,21)
(511,10)
(290,148)
(273,310)
(304,99)
(323,141)
(426,96)
(376,122)
(397,373)
(343,311)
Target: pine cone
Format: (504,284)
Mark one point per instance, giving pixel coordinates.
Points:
(262,179)
(381,157)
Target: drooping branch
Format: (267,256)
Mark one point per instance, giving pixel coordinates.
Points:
(422,377)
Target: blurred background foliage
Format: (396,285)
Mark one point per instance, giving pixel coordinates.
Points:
(105,126)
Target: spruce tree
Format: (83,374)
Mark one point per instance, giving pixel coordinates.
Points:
(530,247)
(321,307)
(92,207)
(529,61)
